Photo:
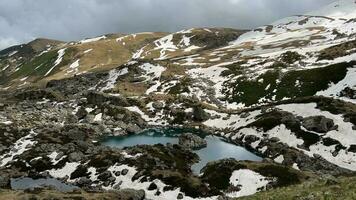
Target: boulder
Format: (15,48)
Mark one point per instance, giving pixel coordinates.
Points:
(319,124)
(152,186)
(4,182)
(104,176)
(157,105)
(348,92)
(133,129)
(180,196)
(82,113)
(199,114)
(191,141)
(124,172)
(76,156)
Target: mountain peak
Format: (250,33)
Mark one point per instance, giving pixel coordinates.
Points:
(339,9)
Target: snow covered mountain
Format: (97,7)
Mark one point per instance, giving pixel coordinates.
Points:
(286,91)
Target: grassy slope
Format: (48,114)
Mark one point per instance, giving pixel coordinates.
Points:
(343,189)
(311,81)
(52,194)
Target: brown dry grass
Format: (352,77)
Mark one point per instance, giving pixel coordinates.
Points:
(106,54)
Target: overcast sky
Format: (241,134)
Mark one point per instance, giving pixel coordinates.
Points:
(24,20)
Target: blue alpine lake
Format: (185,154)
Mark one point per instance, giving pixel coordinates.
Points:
(216,149)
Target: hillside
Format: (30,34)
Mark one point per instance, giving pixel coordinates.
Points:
(285,91)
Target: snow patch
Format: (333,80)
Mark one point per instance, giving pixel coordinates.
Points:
(92,39)
(61,53)
(20,146)
(249,181)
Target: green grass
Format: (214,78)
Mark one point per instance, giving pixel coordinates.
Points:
(319,189)
(43,63)
(311,81)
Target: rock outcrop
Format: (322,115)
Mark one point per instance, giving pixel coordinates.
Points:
(192,141)
(319,124)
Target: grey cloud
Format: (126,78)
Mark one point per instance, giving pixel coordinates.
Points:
(24,20)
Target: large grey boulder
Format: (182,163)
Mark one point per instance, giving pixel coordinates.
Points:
(199,114)
(191,141)
(157,105)
(319,124)
(76,156)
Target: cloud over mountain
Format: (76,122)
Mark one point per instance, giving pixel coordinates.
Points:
(24,20)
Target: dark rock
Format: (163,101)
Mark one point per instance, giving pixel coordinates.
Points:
(124,172)
(76,156)
(180,196)
(71,119)
(104,176)
(158,193)
(4,182)
(117,186)
(133,128)
(250,138)
(39,94)
(348,92)
(319,124)
(157,105)
(199,114)
(83,181)
(168,188)
(352,148)
(111,179)
(245,115)
(82,113)
(191,141)
(152,186)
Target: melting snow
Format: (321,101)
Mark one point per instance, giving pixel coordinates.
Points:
(98,117)
(165,44)
(53,156)
(92,39)
(73,68)
(7,66)
(335,89)
(127,182)
(67,170)
(6,122)
(249,181)
(88,50)
(113,75)
(20,146)
(58,61)
(345,135)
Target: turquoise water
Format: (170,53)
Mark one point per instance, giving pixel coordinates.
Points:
(29,183)
(217,148)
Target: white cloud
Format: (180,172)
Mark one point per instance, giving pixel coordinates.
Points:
(23,20)
(6,42)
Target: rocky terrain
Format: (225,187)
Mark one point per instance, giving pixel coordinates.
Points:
(285,91)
